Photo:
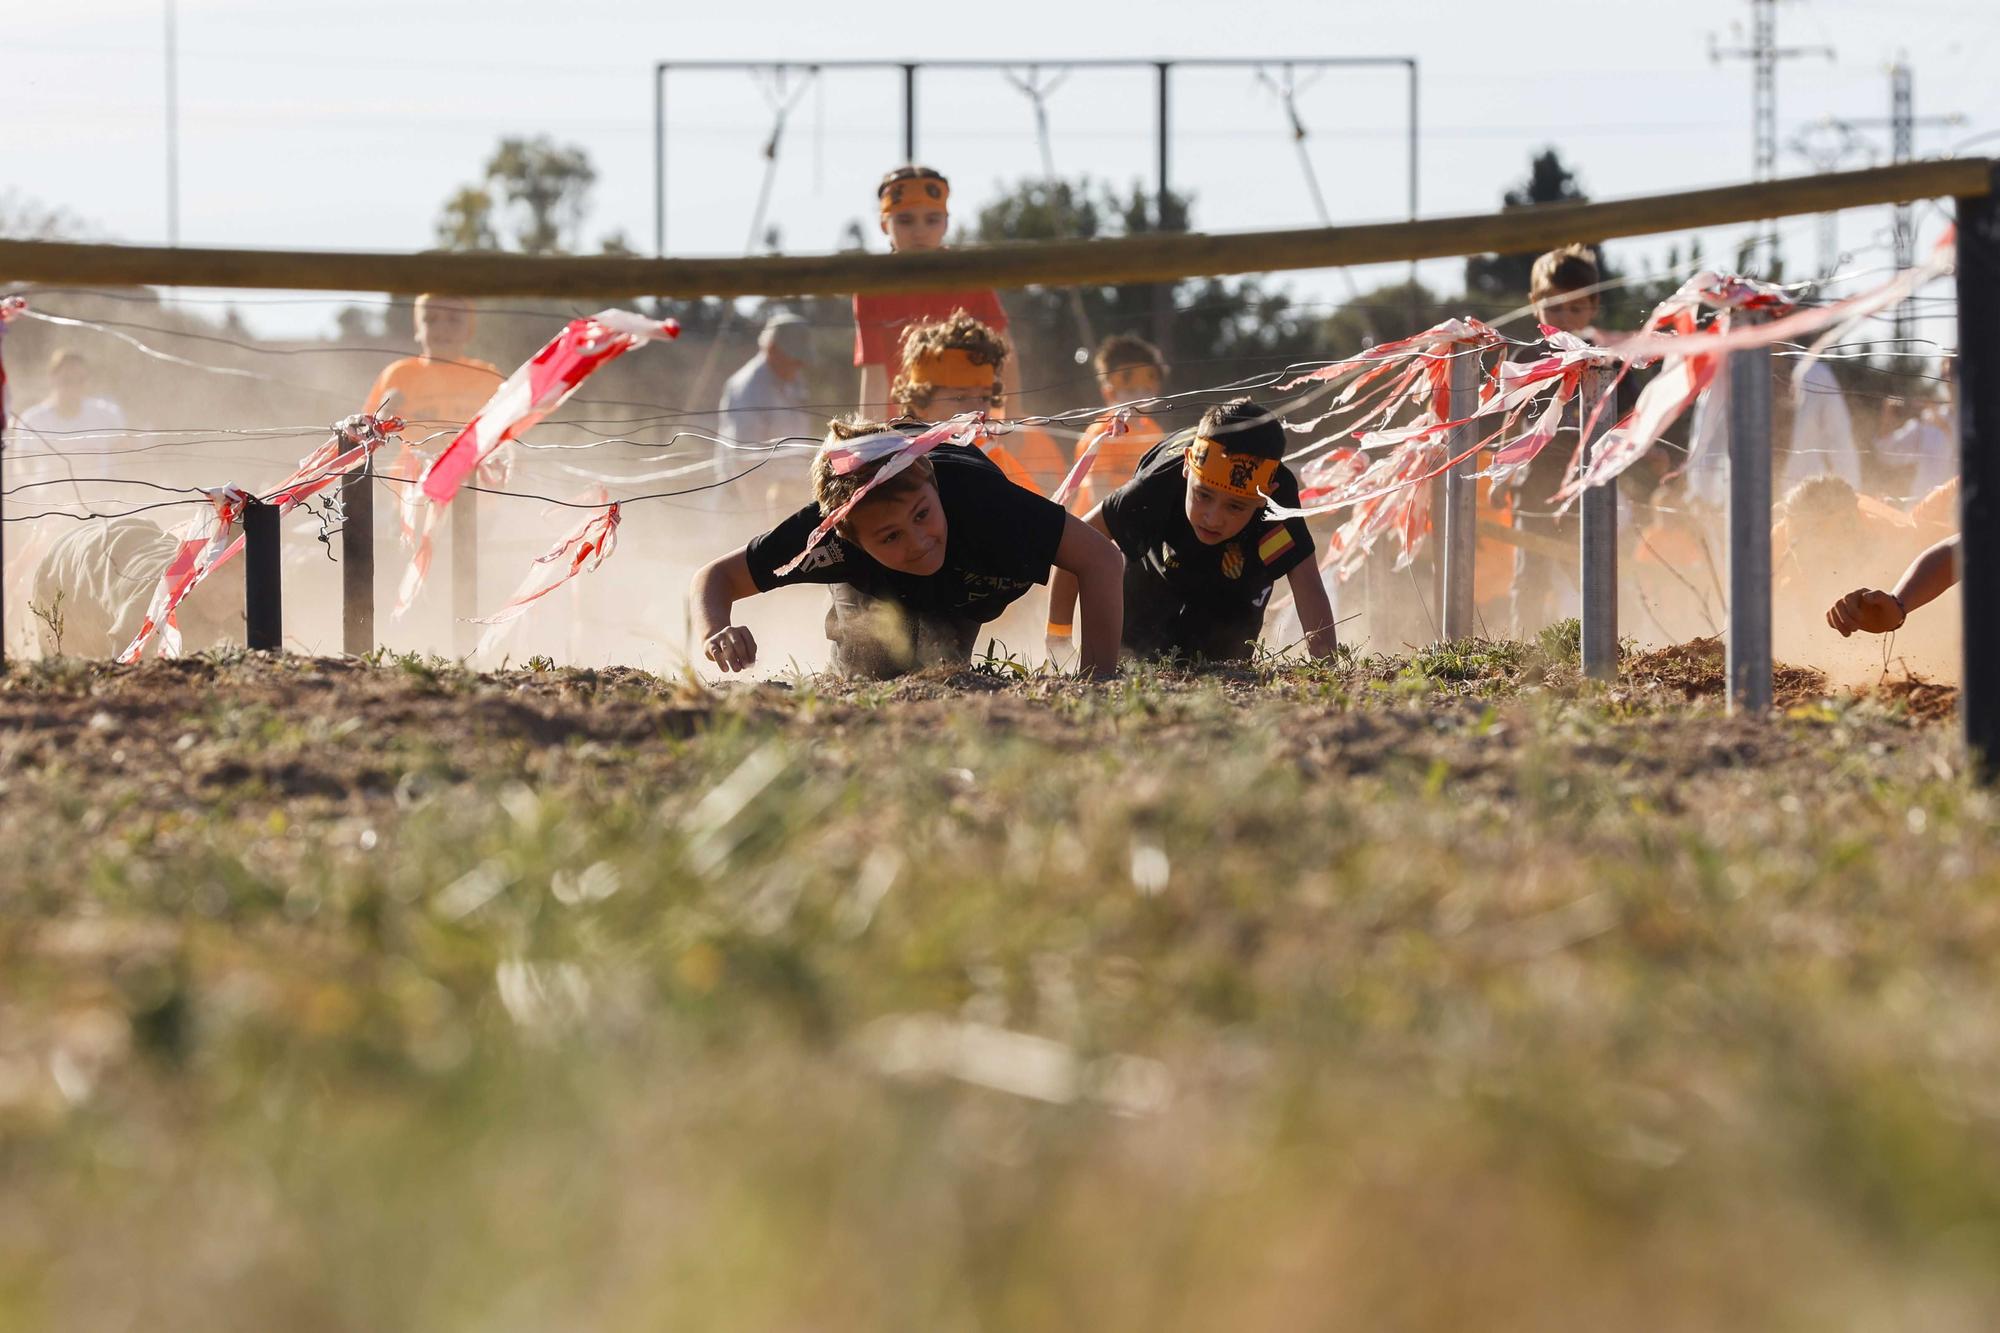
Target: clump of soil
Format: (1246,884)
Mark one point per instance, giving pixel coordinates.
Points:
(1699,669)
(1921,700)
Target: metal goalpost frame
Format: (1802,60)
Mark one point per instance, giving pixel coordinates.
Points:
(1162,123)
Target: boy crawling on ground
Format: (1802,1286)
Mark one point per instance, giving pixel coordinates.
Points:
(1200,554)
(917,564)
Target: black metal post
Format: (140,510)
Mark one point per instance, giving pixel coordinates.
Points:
(263,593)
(1597,542)
(1749,648)
(1979,474)
(1163,293)
(464,573)
(910,113)
(357,560)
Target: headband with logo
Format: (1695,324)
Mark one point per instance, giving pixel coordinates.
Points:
(1243,475)
(951,368)
(914,192)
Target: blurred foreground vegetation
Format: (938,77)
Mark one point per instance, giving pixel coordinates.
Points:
(1406,994)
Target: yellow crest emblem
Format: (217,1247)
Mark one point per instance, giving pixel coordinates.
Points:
(1232,561)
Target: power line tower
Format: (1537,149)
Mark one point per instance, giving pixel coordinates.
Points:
(1764,53)
(1828,145)
(1902,125)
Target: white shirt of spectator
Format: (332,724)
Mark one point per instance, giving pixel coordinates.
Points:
(1927,445)
(1822,439)
(45,446)
(757,407)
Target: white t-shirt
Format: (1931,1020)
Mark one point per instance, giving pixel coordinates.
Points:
(45,446)
(1929,447)
(1822,439)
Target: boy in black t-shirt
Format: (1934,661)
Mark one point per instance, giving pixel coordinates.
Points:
(1200,554)
(918,560)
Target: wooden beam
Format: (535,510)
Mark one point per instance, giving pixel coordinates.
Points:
(1157,257)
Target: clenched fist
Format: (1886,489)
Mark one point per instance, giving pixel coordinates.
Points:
(732,648)
(1867,609)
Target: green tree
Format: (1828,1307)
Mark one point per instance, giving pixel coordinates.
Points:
(1384,315)
(25,218)
(536,187)
(1220,328)
(1498,282)
(467,221)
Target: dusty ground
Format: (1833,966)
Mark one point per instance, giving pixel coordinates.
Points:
(1415,993)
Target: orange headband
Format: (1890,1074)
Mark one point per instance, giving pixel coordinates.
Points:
(913,192)
(951,368)
(1244,475)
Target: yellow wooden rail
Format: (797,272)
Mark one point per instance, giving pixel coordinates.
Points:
(1160,257)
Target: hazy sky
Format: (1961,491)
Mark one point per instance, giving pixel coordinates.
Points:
(314,124)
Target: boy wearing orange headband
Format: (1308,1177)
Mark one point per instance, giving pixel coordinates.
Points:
(1129,370)
(1200,554)
(915,206)
(957,365)
(915,564)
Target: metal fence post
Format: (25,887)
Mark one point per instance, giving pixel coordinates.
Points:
(1461,516)
(1979,474)
(1597,551)
(263,594)
(1749,656)
(464,573)
(357,560)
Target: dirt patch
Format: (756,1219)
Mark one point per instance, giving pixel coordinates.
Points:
(1919,699)
(1698,669)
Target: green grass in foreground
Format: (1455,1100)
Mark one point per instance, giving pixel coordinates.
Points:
(1430,994)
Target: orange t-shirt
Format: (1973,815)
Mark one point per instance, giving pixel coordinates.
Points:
(1117,459)
(434,394)
(1492,558)
(1936,514)
(1006,462)
(1044,459)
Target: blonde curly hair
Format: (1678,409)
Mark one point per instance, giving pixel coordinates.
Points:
(960,333)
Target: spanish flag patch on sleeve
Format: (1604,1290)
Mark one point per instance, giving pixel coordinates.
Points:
(1276,542)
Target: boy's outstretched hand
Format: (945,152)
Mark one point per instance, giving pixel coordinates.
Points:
(1867,609)
(732,648)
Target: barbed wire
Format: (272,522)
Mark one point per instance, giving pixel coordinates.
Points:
(668,416)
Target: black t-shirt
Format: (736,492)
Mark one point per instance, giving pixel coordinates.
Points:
(1000,540)
(1148,519)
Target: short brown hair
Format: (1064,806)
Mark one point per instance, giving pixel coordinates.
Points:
(1568,269)
(833,489)
(959,333)
(1124,349)
(1240,426)
(911,172)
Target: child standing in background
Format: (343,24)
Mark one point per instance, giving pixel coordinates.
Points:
(952,366)
(1129,370)
(915,205)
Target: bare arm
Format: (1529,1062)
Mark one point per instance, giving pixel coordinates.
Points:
(718,586)
(1094,562)
(874,402)
(1062,586)
(1876,612)
(1315,608)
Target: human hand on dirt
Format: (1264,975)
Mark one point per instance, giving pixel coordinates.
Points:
(731,648)
(1867,609)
